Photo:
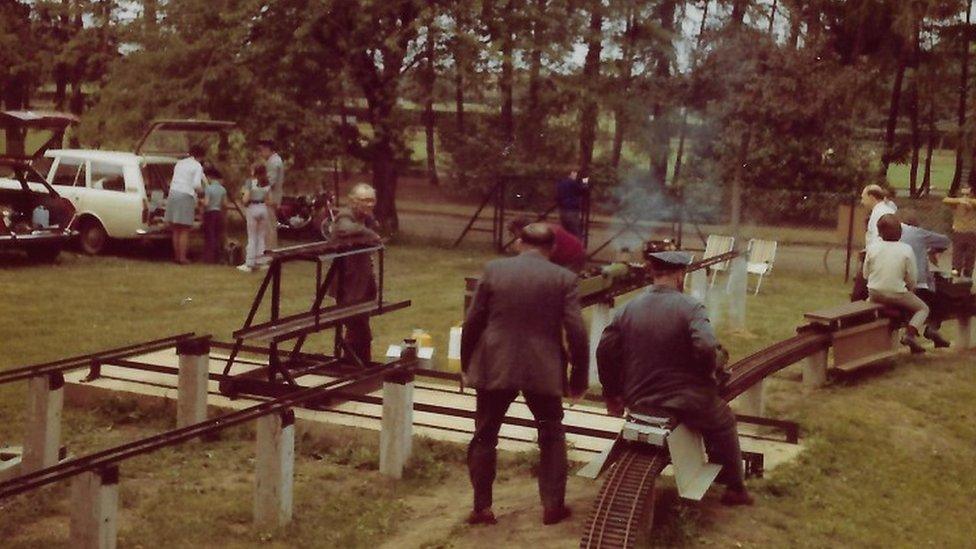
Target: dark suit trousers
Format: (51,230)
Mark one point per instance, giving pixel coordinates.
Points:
(359,336)
(482,454)
(716,422)
(707,413)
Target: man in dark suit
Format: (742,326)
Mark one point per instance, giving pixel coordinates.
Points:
(356,281)
(660,353)
(513,342)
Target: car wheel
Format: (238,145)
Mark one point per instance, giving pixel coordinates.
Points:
(92,237)
(45,254)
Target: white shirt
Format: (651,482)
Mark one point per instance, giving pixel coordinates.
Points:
(882,208)
(187,177)
(890,267)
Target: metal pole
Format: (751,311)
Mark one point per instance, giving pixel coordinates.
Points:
(850,240)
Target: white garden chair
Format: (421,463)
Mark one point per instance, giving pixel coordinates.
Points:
(717,245)
(762,254)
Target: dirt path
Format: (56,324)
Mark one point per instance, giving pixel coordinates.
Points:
(437,518)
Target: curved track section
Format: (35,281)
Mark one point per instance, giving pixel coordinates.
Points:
(625,500)
(627,495)
(753,368)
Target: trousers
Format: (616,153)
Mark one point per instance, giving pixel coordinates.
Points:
(359,337)
(490,409)
(707,413)
(906,301)
(257,231)
(213,235)
(963,253)
(572,221)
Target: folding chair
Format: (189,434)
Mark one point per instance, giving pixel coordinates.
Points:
(717,245)
(762,253)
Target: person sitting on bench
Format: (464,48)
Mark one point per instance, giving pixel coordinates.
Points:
(892,276)
(660,353)
(925,244)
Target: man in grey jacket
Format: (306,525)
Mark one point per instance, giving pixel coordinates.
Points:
(660,354)
(513,342)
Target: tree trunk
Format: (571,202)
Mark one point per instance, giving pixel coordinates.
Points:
(738,12)
(796,22)
(916,137)
(591,74)
(385,183)
(506,83)
(893,110)
(683,128)
(535,118)
(963,98)
(772,17)
(660,147)
(150,13)
(620,117)
(430,76)
(930,146)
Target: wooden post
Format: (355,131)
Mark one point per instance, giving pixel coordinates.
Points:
(397,424)
(965,332)
(752,400)
(94,509)
(737,289)
(598,322)
(191,395)
(42,444)
(815,370)
(275,470)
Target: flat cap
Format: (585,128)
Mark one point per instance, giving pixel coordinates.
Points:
(669,261)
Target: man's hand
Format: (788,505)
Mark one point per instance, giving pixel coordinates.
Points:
(615,406)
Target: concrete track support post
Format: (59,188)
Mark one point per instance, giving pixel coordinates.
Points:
(194,364)
(737,286)
(752,402)
(396,434)
(602,314)
(275,470)
(965,336)
(815,370)
(94,509)
(42,443)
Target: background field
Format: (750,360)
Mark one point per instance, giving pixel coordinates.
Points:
(888,461)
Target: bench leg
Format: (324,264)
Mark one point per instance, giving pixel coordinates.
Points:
(94,509)
(275,470)
(43,438)
(815,370)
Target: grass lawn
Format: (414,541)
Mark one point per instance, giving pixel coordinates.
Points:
(889,457)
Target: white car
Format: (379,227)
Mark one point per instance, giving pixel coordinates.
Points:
(122,195)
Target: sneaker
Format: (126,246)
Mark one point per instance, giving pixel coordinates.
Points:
(246,268)
(555,516)
(485,516)
(936,337)
(736,496)
(913,345)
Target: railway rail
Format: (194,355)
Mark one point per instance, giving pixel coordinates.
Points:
(621,510)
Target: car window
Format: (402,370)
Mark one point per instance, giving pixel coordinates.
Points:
(107,177)
(71,172)
(157,177)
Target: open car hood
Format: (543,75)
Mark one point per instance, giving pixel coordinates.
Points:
(25,135)
(174,137)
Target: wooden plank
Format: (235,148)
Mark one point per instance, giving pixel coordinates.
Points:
(862,345)
(840,312)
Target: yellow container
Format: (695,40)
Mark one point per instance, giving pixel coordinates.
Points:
(423,338)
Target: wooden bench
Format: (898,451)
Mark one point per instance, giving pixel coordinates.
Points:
(862,333)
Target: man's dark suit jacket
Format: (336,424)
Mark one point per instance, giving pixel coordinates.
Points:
(513,334)
(355,271)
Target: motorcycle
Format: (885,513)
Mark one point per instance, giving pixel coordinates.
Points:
(310,215)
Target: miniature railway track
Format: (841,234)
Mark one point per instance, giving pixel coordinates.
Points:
(626,499)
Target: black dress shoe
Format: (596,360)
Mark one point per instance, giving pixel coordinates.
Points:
(936,337)
(555,516)
(485,516)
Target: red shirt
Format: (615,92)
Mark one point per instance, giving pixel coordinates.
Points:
(567,250)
